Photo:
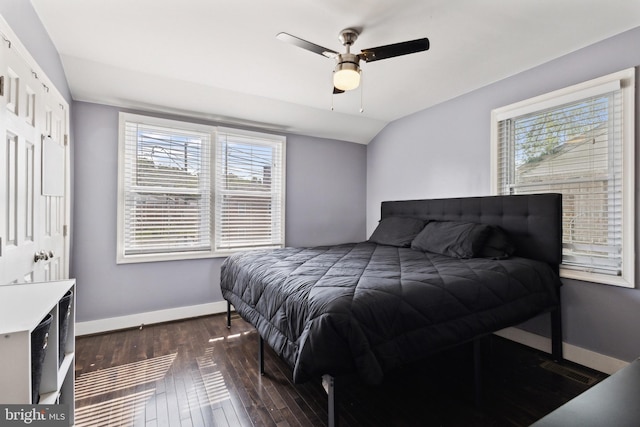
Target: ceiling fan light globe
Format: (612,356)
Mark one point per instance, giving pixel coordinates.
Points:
(346,79)
(346,76)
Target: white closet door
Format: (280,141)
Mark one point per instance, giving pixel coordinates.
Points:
(52,209)
(33,125)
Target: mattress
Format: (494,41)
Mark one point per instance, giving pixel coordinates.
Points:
(367,309)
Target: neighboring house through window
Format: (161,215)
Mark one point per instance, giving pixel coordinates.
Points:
(577,141)
(193,191)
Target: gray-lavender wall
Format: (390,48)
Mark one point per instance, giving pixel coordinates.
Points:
(444,151)
(325,203)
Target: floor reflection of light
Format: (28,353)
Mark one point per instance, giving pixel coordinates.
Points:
(120,377)
(216,339)
(213,383)
(123,392)
(117,412)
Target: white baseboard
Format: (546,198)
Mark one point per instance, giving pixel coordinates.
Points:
(572,353)
(581,356)
(136,320)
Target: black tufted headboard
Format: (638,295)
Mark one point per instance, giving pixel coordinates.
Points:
(534,221)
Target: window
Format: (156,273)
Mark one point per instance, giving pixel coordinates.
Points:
(577,141)
(249,202)
(192,191)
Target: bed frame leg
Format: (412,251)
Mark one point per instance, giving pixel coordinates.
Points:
(228,315)
(477,371)
(261,356)
(556,334)
(329,384)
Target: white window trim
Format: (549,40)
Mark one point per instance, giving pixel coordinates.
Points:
(626,80)
(121,258)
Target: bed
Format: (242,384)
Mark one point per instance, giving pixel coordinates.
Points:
(434,274)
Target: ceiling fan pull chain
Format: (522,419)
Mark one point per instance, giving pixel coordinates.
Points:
(333,94)
(361,92)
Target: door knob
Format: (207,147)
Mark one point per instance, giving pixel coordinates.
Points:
(42,256)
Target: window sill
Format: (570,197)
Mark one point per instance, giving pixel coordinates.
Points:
(178,256)
(595,278)
(181,256)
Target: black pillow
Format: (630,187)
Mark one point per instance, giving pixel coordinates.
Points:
(452,238)
(397,231)
(498,244)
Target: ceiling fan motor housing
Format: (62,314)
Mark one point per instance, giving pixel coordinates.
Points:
(346,61)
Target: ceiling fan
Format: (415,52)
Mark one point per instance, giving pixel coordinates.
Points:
(346,75)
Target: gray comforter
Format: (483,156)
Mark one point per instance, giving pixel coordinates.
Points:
(365,308)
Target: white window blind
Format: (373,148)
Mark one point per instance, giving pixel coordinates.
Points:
(249,190)
(166,189)
(576,148)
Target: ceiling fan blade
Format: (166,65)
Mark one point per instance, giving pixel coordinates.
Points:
(396,49)
(337,91)
(288,38)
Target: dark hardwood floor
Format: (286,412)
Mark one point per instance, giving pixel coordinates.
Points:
(196,372)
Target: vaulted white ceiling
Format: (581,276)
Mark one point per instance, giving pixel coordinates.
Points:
(220,59)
